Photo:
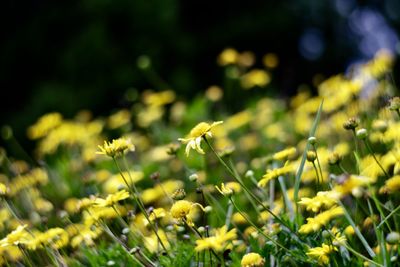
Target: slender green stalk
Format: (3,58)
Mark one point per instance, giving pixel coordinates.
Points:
(318,163)
(387,217)
(239,180)
(303,161)
(110,234)
(256,227)
(374,263)
(136,196)
(357,231)
(376,160)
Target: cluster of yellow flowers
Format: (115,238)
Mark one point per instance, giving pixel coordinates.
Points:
(309,181)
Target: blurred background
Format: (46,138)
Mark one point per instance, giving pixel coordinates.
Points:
(82,54)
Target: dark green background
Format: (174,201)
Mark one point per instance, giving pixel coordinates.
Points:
(68,55)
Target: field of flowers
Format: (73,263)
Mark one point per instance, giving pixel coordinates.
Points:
(313,180)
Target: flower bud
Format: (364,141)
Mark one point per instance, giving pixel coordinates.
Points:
(311,156)
(362,134)
(393,238)
(193,177)
(312,140)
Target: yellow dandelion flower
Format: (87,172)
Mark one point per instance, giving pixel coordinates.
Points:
(224,190)
(43,126)
(275,173)
(182,208)
(218,242)
(195,136)
(116,148)
(285,154)
(324,199)
(392,185)
(3,189)
(112,199)
(321,254)
(119,119)
(322,219)
(252,260)
(15,237)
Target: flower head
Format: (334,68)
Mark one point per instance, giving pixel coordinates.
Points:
(321,254)
(116,148)
(193,140)
(252,260)
(182,208)
(224,190)
(112,199)
(218,241)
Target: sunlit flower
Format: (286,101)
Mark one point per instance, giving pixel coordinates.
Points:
(182,208)
(324,199)
(112,199)
(218,241)
(321,254)
(252,260)
(15,237)
(226,191)
(275,173)
(116,148)
(322,219)
(195,136)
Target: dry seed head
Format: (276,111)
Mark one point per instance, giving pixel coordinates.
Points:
(351,124)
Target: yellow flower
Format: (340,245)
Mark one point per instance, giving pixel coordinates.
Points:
(15,237)
(3,189)
(322,219)
(193,141)
(217,242)
(119,119)
(285,154)
(252,260)
(116,148)
(44,125)
(323,199)
(391,185)
(321,254)
(182,208)
(272,174)
(224,190)
(112,199)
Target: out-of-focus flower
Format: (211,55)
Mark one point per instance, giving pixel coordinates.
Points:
(321,254)
(252,260)
(112,199)
(217,242)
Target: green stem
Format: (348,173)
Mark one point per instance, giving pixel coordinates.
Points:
(373,155)
(239,180)
(258,229)
(387,217)
(136,196)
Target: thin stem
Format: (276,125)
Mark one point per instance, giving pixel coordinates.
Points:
(136,196)
(318,163)
(244,186)
(318,179)
(256,227)
(387,217)
(356,152)
(110,234)
(373,155)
